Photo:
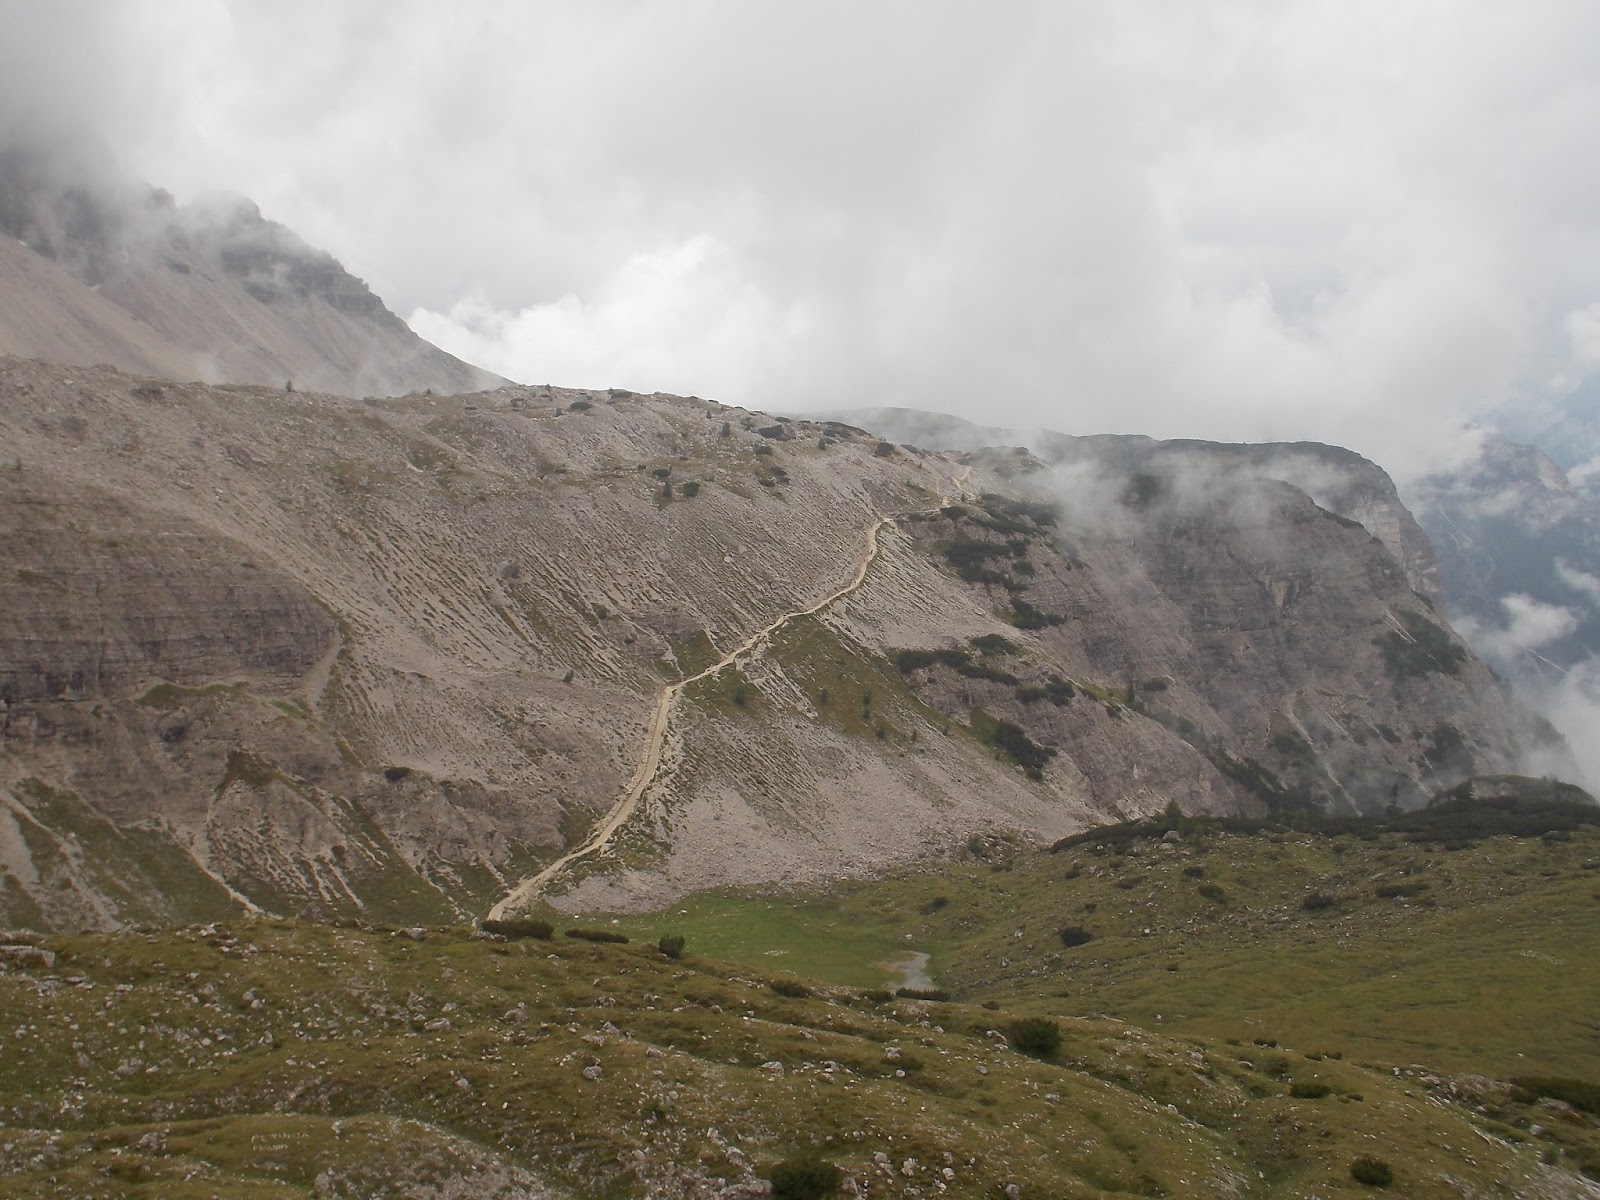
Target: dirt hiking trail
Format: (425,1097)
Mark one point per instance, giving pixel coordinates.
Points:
(660,719)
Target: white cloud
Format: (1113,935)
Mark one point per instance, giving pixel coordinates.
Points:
(1529,625)
(1579,581)
(682,319)
(1356,222)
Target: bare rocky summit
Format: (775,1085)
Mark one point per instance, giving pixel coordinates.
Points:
(393,656)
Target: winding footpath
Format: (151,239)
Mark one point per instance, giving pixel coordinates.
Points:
(656,736)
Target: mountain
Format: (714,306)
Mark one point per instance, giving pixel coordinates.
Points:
(1338,480)
(1519,555)
(94,269)
(415,657)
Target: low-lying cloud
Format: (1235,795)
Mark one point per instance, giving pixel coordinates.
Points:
(1359,224)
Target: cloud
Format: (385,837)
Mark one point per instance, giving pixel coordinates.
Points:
(1359,223)
(680,319)
(1579,581)
(1529,624)
(1572,704)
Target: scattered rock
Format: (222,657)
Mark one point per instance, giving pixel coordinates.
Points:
(29,956)
(592,1073)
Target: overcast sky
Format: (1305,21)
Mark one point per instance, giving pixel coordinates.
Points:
(1350,221)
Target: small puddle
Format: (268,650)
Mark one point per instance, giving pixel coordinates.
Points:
(912,967)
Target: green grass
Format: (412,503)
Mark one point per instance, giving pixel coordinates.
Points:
(255,1058)
(809,937)
(1490,968)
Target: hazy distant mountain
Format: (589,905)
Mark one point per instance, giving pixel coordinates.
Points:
(97,270)
(1519,553)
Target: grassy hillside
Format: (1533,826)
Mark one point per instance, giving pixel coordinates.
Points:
(1218,1037)
(1473,952)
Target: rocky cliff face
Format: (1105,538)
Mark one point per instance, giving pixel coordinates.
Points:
(97,269)
(273,650)
(1340,480)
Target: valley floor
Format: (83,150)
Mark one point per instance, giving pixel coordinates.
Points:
(271,1058)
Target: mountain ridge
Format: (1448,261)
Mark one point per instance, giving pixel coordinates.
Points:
(395,655)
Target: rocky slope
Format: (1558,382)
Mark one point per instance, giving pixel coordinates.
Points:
(95,269)
(1339,480)
(278,650)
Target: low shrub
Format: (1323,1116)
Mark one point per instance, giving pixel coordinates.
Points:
(598,935)
(883,450)
(1074,935)
(877,996)
(671,944)
(911,993)
(791,988)
(1579,1093)
(690,489)
(579,406)
(396,774)
(1309,1089)
(1213,893)
(519,927)
(804,1177)
(1317,901)
(1038,1037)
(1392,891)
(1373,1172)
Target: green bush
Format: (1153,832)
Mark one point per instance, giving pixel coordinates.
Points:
(791,988)
(598,935)
(1213,893)
(910,993)
(993,643)
(1391,891)
(1424,647)
(671,944)
(1373,1172)
(519,927)
(1011,740)
(690,489)
(804,1177)
(1039,1037)
(1579,1093)
(1074,935)
(1026,616)
(1309,1089)
(1317,901)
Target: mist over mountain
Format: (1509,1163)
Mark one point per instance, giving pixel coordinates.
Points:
(95,269)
